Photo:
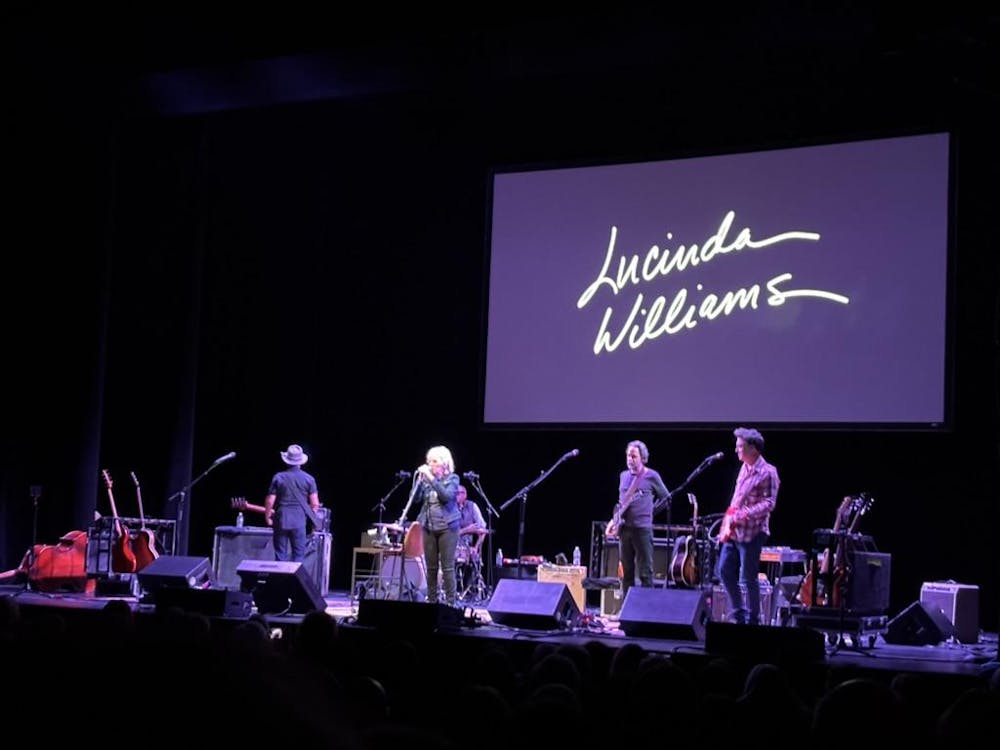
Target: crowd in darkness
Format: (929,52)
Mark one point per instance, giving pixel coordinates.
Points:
(174,678)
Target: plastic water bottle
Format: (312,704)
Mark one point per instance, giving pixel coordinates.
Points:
(576,555)
(239,519)
(499,557)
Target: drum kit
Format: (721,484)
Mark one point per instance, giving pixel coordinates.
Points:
(472,587)
(395,538)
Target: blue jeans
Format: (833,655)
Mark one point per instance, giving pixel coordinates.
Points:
(290,544)
(739,562)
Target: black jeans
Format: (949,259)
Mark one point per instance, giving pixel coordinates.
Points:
(439,553)
(635,547)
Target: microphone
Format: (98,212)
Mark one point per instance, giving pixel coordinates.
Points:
(227,457)
(572,454)
(404,474)
(471,475)
(714,457)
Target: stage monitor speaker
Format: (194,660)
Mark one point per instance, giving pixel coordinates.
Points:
(408,617)
(679,614)
(178,571)
(280,587)
(533,605)
(764,643)
(920,624)
(868,584)
(228,603)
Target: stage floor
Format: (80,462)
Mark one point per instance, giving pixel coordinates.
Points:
(869,652)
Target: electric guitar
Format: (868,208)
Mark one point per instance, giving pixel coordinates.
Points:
(684,568)
(144,544)
(122,555)
(611,530)
(849,513)
(318,523)
(859,506)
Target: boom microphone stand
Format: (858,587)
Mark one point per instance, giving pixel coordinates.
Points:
(182,493)
(491,513)
(522,495)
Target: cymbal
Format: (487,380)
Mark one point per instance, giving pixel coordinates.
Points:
(389,527)
(480,532)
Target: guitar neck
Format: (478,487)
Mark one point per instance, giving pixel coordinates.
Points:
(251,507)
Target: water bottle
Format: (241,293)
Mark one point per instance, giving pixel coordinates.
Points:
(499,557)
(239,519)
(576,555)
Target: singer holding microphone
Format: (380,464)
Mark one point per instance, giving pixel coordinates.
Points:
(291,498)
(641,494)
(746,526)
(435,491)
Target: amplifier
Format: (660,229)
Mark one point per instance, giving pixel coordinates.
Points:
(234,544)
(720,601)
(960,604)
(571,575)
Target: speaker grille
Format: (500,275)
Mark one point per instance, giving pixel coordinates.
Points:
(679,614)
(533,605)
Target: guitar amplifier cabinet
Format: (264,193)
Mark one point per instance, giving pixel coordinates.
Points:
(960,604)
(234,544)
(720,601)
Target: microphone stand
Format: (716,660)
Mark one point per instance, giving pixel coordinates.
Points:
(669,504)
(522,495)
(36,493)
(380,505)
(181,494)
(491,512)
(410,593)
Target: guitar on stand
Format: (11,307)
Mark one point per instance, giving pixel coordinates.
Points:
(122,555)
(144,544)
(684,568)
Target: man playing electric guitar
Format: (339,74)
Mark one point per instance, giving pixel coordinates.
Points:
(641,493)
(746,526)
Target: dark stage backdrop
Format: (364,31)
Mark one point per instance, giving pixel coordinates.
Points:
(317,274)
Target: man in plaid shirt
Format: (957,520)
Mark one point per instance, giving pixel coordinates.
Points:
(745,527)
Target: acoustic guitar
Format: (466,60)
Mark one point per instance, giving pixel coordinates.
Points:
(122,555)
(684,568)
(144,544)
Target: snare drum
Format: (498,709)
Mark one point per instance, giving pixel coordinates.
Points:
(463,553)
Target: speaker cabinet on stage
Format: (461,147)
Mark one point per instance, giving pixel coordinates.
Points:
(234,544)
(408,617)
(534,605)
(280,587)
(764,643)
(868,585)
(919,624)
(960,604)
(679,614)
(177,571)
(662,556)
(211,602)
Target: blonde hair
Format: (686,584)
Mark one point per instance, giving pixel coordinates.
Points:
(442,454)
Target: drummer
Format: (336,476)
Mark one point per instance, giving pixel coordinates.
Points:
(471,526)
